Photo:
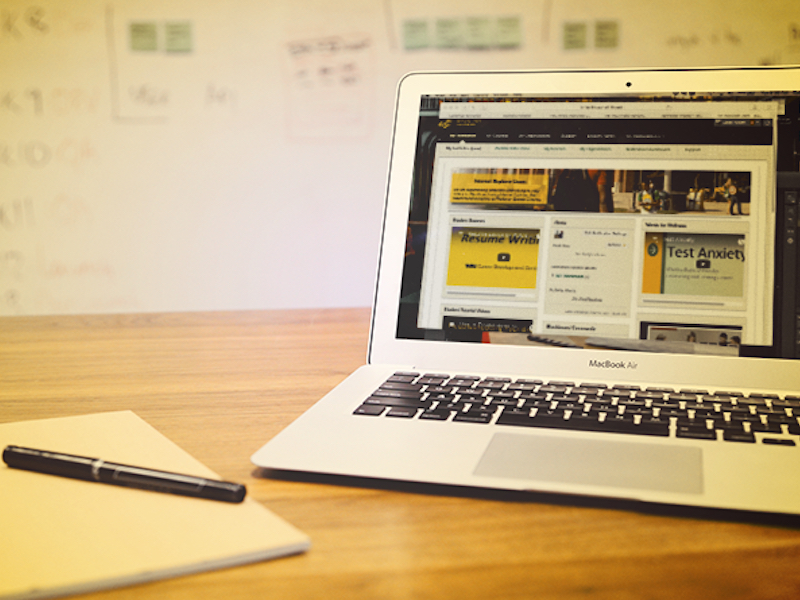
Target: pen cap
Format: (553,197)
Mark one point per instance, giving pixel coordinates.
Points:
(48,462)
(225,491)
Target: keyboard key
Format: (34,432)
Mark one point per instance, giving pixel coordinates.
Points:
(585,391)
(672,412)
(435,414)
(695,432)
(533,397)
(779,442)
(766,427)
(738,436)
(552,389)
(503,401)
(397,394)
(402,412)
(529,404)
(492,385)
(369,409)
(523,387)
(389,401)
(595,386)
(430,381)
(474,416)
(568,403)
(439,389)
(405,387)
(440,397)
(458,405)
(632,402)
(652,426)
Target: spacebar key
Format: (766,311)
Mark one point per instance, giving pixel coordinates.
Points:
(582,423)
(521,418)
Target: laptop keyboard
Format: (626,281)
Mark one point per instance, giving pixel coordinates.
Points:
(697,414)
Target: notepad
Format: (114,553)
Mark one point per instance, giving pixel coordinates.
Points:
(62,536)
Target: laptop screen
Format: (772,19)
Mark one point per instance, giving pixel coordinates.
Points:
(640,223)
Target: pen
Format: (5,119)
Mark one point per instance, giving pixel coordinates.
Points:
(95,469)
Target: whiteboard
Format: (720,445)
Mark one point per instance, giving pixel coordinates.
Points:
(193,155)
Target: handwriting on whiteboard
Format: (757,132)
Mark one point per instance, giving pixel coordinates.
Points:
(331,84)
(55,102)
(18,24)
(24,24)
(51,273)
(37,154)
(16,215)
(708,38)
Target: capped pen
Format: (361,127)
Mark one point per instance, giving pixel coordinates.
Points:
(98,470)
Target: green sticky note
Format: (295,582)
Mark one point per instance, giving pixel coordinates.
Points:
(606,34)
(143,36)
(415,34)
(478,33)
(574,36)
(178,36)
(449,33)
(508,32)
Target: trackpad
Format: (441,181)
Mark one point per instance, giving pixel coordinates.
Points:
(631,465)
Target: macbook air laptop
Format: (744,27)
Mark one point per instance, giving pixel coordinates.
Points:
(587,285)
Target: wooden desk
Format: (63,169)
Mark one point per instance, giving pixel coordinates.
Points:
(220,384)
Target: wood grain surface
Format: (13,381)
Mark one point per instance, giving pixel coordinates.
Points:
(221,384)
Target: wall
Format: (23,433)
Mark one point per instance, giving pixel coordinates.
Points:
(196,155)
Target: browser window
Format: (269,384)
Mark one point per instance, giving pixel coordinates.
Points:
(644,224)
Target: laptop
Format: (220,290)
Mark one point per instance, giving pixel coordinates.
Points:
(587,285)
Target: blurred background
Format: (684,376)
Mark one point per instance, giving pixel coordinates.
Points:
(195,155)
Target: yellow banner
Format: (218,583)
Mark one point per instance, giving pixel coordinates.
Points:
(493,258)
(499,188)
